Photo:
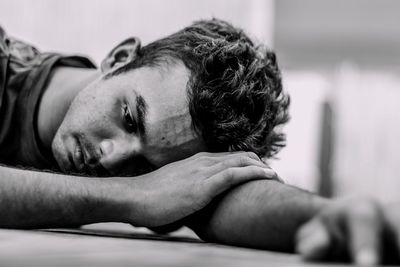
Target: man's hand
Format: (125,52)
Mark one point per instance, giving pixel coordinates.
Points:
(360,229)
(32,199)
(184,187)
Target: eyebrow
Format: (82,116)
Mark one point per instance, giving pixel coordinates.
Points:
(141,110)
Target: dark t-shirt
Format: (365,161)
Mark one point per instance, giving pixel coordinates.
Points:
(24,75)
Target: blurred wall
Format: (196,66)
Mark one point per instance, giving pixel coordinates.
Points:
(367,111)
(94,27)
(353,46)
(315,33)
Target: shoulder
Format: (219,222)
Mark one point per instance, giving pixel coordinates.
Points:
(15,49)
(3,43)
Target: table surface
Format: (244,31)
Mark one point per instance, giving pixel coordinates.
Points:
(121,245)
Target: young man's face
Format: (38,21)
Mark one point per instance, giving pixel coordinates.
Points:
(128,123)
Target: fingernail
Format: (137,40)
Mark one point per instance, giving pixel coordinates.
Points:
(366,258)
(270,173)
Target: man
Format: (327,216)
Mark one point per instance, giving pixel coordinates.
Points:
(204,88)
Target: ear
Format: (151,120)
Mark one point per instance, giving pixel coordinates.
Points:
(122,54)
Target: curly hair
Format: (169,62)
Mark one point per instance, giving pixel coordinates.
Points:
(235,93)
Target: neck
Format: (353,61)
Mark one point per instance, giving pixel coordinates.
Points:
(64,85)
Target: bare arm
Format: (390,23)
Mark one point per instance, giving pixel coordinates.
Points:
(261,214)
(30,199)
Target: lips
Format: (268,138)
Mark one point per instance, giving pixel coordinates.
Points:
(78,157)
(84,162)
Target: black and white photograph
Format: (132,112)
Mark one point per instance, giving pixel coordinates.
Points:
(188,133)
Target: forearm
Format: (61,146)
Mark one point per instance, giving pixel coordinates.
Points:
(30,199)
(262,214)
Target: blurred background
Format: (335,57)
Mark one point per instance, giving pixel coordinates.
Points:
(340,62)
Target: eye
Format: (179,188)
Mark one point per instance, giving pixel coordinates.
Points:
(130,122)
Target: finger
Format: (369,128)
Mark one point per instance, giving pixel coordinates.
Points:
(392,234)
(365,232)
(251,155)
(228,178)
(313,240)
(238,161)
(215,154)
(227,155)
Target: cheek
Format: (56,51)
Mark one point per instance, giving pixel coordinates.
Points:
(167,145)
(90,113)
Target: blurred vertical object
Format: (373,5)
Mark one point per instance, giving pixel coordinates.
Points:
(325,187)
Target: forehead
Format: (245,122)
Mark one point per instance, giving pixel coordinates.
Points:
(164,88)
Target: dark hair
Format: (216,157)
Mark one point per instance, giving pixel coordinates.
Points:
(235,91)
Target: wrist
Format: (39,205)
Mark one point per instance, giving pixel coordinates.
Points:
(309,205)
(111,200)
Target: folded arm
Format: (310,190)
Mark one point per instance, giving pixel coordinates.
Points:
(31,199)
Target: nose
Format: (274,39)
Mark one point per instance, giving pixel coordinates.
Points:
(116,152)
(106,147)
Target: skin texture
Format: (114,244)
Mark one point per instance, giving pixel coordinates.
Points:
(90,124)
(96,121)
